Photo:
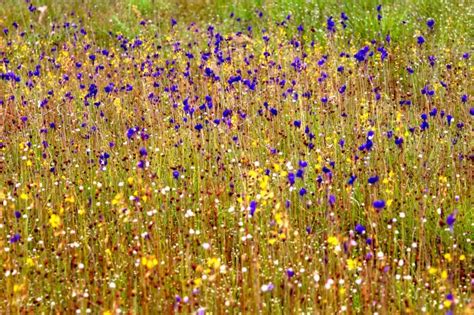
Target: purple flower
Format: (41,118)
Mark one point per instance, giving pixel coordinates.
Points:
(432,60)
(426,91)
(143,151)
(290,272)
(300,173)
(330,25)
(297,64)
(15,238)
(373,180)
(420,40)
(332,200)
(253,207)
(451,219)
(302,191)
(383,53)
(342,89)
(361,54)
(344,18)
(109,88)
(234,79)
(17,214)
(175,174)
(379,204)
(399,141)
(449,118)
(464,98)
(103,158)
(351,180)
(291,178)
(430,23)
(92,91)
(424,125)
(360,229)
(131,132)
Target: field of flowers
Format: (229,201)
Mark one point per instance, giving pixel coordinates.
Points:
(271,157)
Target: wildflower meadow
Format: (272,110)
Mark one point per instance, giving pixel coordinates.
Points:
(236,157)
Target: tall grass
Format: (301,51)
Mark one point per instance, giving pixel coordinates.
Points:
(149,167)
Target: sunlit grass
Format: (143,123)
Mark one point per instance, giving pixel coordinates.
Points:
(247,156)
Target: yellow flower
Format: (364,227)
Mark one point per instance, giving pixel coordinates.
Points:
(197,282)
(70,199)
(448,257)
(118,197)
(342,291)
(399,116)
(150,262)
(214,262)
(118,104)
(55,221)
(333,241)
(253,174)
(432,270)
(17,287)
(278,219)
(264,182)
(444,275)
(352,264)
(30,262)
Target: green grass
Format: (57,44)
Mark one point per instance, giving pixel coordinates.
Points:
(112,237)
